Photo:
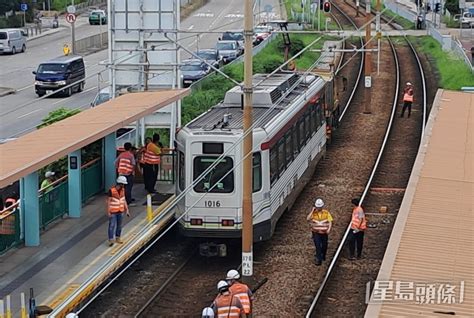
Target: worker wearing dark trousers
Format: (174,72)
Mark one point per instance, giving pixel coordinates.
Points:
(320,221)
(407,99)
(152,159)
(356,234)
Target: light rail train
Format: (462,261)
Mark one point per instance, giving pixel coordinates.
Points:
(289,138)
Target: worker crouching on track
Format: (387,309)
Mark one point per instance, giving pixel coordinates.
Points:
(240,290)
(116,206)
(226,304)
(356,234)
(321,223)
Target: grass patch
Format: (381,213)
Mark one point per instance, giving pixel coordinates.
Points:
(454,72)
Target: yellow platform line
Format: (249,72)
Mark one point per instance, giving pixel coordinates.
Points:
(64,293)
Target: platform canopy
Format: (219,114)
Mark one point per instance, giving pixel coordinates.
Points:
(39,148)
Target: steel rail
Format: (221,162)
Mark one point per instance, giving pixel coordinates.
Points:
(366,189)
(164,286)
(361,65)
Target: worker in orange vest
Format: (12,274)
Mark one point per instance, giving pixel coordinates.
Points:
(240,290)
(358,226)
(407,99)
(152,160)
(116,207)
(125,165)
(226,304)
(321,223)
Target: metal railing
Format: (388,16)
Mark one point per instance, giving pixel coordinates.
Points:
(10,234)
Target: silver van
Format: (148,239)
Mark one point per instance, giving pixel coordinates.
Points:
(12,41)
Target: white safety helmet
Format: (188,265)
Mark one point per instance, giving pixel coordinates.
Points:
(233,274)
(409,84)
(222,285)
(319,203)
(122,180)
(207,313)
(49,174)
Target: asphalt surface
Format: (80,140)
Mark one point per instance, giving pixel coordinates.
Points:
(22,112)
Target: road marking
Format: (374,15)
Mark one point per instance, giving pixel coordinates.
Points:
(191,27)
(204,15)
(232,15)
(32,112)
(23,88)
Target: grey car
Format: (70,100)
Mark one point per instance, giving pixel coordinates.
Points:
(229,50)
(211,56)
(192,71)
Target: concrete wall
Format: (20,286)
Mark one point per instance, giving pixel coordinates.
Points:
(92,43)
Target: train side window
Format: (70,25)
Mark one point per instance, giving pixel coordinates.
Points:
(301,140)
(289,147)
(321,116)
(273,164)
(257,172)
(281,157)
(314,121)
(307,125)
(181,171)
(296,149)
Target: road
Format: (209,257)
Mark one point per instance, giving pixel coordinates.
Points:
(22,112)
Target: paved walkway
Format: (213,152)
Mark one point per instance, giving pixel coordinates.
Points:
(71,250)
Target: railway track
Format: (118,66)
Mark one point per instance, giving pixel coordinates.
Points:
(383,192)
(335,179)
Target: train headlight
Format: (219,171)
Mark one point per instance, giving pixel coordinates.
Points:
(227,223)
(196,221)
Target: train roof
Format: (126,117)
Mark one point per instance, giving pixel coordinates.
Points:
(279,91)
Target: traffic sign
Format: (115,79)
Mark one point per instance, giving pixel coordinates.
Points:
(71,18)
(71,9)
(24,7)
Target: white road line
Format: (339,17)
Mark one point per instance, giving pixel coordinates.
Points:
(191,27)
(26,87)
(32,112)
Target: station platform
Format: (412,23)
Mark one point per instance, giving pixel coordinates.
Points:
(427,267)
(73,249)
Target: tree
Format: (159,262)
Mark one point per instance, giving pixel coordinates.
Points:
(57,115)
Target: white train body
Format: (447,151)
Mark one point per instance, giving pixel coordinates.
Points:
(289,138)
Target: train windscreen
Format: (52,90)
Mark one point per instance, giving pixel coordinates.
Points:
(220,179)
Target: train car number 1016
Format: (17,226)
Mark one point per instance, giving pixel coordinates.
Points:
(212,204)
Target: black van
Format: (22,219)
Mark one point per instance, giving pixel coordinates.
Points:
(59,72)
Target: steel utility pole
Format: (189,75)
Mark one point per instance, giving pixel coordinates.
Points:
(247,205)
(368,61)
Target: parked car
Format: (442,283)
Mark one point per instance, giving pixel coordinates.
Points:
(58,73)
(229,50)
(211,56)
(98,17)
(192,71)
(233,36)
(101,97)
(261,32)
(12,41)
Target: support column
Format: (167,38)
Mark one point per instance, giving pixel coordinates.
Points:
(30,206)
(109,156)
(75,184)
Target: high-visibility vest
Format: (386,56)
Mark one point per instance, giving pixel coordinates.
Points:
(322,225)
(243,292)
(358,223)
(117,201)
(150,157)
(408,95)
(125,166)
(227,306)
